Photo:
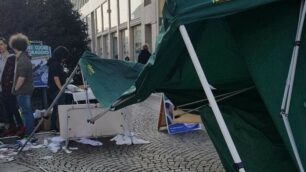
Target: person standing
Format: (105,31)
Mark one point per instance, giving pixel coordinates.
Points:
(3,57)
(56,79)
(23,80)
(144,54)
(9,100)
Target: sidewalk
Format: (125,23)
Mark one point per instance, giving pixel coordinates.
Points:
(183,152)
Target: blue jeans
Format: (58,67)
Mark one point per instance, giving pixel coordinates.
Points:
(24,103)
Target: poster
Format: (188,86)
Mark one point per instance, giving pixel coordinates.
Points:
(172,126)
(39,57)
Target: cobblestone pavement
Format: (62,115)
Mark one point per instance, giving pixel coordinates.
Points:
(182,152)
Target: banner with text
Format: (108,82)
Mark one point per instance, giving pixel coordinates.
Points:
(39,57)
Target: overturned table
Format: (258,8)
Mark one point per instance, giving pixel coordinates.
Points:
(73,119)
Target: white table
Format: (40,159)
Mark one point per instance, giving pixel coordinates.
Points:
(73,121)
(73,118)
(81,95)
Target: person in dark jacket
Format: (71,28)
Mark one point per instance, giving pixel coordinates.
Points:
(56,79)
(144,55)
(10,101)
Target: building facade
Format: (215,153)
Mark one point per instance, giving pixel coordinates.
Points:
(118,28)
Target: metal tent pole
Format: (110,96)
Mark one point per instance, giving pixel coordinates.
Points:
(227,137)
(289,86)
(86,93)
(50,107)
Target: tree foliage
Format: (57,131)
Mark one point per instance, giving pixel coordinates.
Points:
(52,21)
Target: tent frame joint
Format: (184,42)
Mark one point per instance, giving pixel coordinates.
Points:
(238,166)
(283,113)
(297,43)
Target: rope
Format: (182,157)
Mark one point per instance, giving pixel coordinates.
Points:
(223,97)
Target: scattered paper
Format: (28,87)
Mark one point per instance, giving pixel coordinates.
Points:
(66,150)
(89,142)
(26,148)
(46,142)
(54,144)
(36,146)
(7,154)
(3,149)
(57,139)
(39,113)
(9,159)
(13,153)
(54,147)
(128,139)
(22,141)
(73,88)
(122,139)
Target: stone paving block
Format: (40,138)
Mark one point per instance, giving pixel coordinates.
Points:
(13,167)
(182,152)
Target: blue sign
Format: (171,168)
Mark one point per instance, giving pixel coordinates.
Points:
(38,51)
(39,57)
(174,128)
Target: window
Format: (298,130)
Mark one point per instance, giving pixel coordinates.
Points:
(115,45)
(123,11)
(148,35)
(99,20)
(83,2)
(106,46)
(105,16)
(89,45)
(125,43)
(147,2)
(135,9)
(114,16)
(88,21)
(99,46)
(136,41)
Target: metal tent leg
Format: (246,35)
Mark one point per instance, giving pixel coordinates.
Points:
(50,107)
(289,86)
(211,99)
